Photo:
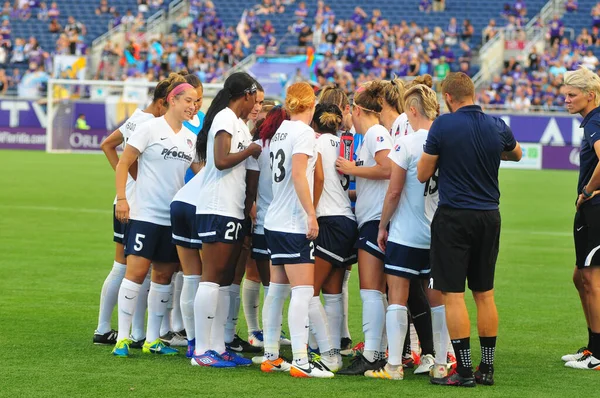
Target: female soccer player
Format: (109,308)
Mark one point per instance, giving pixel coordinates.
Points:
(407,245)
(164,149)
(260,252)
(110,290)
(372,172)
(290,229)
(338,231)
(183,214)
(223,146)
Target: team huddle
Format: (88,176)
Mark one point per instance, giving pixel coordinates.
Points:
(291,197)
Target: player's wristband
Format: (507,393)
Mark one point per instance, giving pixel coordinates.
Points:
(586,193)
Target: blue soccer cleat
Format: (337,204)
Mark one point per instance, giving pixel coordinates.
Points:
(158,347)
(121,349)
(191,347)
(211,359)
(239,360)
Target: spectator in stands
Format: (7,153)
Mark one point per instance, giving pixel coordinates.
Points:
(595,13)
(304,37)
(452,32)
(466,55)
(439,5)
(53,12)
(590,61)
(534,60)
(297,26)
(128,18)
(490,30)
(143,6)
(520,8)
(359,16)
(18,51)
(33,52)
(557,29)
(6,10)
(3,82)
(54,26)
(571,6)
(104,8)
(464,68)
(467,31)
(442,69)
(42,12)
(585,37)
(301,12)
(15,78)
(521,102)
(448,54)
(425,6)
(155,3)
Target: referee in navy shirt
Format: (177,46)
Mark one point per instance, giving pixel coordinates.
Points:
(467,146)
(582,96)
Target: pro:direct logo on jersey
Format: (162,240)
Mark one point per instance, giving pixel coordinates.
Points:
(175,153)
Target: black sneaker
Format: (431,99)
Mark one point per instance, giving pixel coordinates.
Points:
(454,379)
(486,379)
(108,338)
(359,366)
(137,343)
(240,345)
(346,343)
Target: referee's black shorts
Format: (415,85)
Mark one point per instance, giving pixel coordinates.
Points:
(464,246)
(586,231)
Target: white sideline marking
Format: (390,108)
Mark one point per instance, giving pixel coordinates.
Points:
(57,209)
(543,233)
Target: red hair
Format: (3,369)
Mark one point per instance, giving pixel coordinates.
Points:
(272,121)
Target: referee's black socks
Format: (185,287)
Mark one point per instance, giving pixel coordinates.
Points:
(595,345)
(462,349)
(488,350)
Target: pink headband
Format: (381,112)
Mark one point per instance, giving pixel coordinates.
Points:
(178,89)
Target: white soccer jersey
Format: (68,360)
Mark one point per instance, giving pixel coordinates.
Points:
(401,127)
(409,226)
(265,192)
(370,193)
(190,192)
(224,191)
(285,213)
(334,200)
(127,129)
(163,161)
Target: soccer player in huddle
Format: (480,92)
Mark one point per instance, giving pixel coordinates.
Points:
(164,149)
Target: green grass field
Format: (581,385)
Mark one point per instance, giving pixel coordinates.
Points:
(56,250)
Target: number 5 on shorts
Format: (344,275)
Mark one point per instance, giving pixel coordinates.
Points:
(139,245)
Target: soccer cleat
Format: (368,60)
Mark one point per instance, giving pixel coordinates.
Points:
(438,371)
(174,339)
(136,343)
(310,370)
(121,349)
(427,362)
(451,360)
(359,366)
(258,360)
(191,347)
(386,373)
(239,360)
(357,350)
(574,357)
(408,361)
(346,346)
(240,345)
(454,379)
(275,365)
(211,359)
(328,362)
(486,379)
(586,362)
(108,338)
(283,340)
(158,347)
(256,339)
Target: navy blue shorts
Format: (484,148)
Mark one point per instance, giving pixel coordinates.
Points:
(211,228)
(287,248)
(260,250)
(150,241)
(335,243)
(183,224)
(406,262)
(367,239)
(118,229)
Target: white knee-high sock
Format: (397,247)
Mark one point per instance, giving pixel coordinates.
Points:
(188,294)
(272,318)
(345,329)
(205,308)
(397,325)
(372,316)
(138,327)
(334,308)
(298,321)
(109,296)
(165,326)
(232,312)
(384,342)
(441,338)
(217,333)
(158,299)
(251,300)
(318,324)
(266,291)
(176,315)
(128,296)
